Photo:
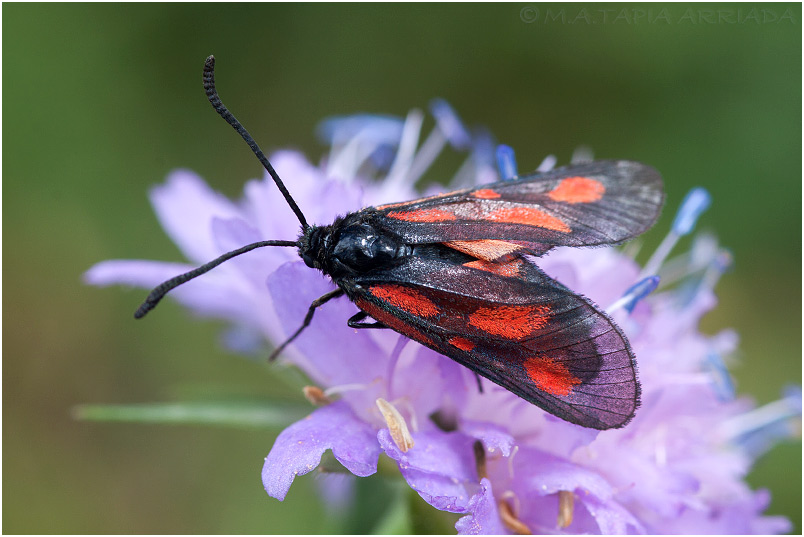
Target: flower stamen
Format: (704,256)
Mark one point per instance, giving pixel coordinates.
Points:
(450,124)
(582,155)
(396,425)
(755,430)
(480,459)
(506,162)
(335,390)
(694,204)
(398,174)
(426,155)
(566,508)
(316,396)
(510,518)
(719,377)
(355,139)
(514,451)
(547,164)
(634,294)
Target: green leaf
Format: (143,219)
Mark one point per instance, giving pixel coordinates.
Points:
(240,414)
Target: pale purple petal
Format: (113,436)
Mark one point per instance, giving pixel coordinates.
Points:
(602,274)
(252,267)
(441,467)
(185,206)
(566,437)
(495,438)
(609,516)
(483,517)
(298,449)
(542,474)
(133,272)
(428,378)
(264,204)
(334,353)
(318,197)
(212,295)
(732,517)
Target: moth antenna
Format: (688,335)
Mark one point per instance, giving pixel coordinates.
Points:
(220,108)
(162,289)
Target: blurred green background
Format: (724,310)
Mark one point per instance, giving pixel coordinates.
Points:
(101,101)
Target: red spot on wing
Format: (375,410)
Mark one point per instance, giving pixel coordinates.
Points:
(530,216)
(462,343)
(510,322)
(485,194)
(406,299)
(550,375)
(577,190)
(489,250)
(423,215)
(392,321)
(510,268)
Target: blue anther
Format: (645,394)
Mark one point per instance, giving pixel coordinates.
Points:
(640,290)
(695,203)
(381,129)
(721,378)
(506,162)
(758,429)
(450,124)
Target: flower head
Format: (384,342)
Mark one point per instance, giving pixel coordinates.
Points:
(505,464)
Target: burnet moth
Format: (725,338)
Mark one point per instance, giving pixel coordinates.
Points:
(452,272)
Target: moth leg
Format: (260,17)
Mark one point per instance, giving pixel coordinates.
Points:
(479,385)
(307,319)
(355,321)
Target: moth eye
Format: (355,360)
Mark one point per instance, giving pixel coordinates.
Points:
(307,260)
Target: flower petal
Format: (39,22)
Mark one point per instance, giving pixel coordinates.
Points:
(732,517)
(494,437)
(544,474)
(611,518)
(185,206)
(298,448)
(213,295)
(428,379)
(251,269)
(133,272)
(440,467)
(539,476)
(334,354)
(483,517)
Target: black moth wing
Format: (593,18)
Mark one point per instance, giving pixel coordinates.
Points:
(512,324)
(603,202)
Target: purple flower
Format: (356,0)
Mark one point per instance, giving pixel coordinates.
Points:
(678,467)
